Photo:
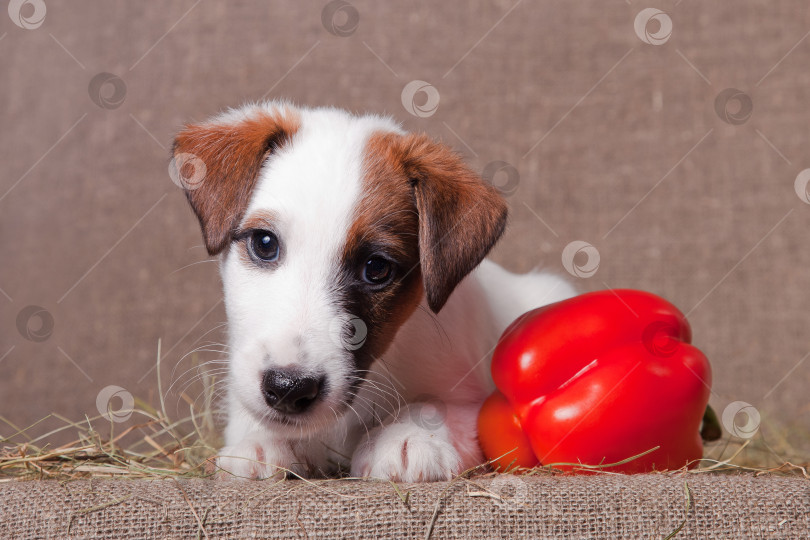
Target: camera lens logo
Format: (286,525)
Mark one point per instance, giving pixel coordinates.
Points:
(580,259)
(340,18)
(27,14)
(107,90)
(658,338)
(509,490)
(502,176)
(419,88)
(350,333)
(741,419)
(35,323)
(653,26)
(115,403)
(733,106)
(187,171)
(428,412)
(800,185)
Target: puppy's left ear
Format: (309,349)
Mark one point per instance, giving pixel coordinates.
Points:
(460,216)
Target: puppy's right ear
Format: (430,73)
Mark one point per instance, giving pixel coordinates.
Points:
(217,163)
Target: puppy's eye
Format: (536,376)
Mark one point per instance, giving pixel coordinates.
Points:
(378,271)
(264,245)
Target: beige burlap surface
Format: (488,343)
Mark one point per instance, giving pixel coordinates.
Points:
(642,506)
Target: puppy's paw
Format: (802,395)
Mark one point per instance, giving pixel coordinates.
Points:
(251,459)
(406,452)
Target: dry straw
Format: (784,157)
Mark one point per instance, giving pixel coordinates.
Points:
(159,446)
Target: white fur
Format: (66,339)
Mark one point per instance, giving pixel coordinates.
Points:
(414,419)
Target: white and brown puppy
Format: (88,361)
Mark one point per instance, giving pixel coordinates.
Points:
(361,317)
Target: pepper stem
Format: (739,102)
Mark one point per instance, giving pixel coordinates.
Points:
(710,427)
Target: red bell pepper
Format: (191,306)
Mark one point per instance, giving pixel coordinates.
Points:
(597,379)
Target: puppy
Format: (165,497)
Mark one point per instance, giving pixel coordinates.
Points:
(361,316)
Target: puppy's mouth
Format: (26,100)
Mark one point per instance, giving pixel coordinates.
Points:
(312,420)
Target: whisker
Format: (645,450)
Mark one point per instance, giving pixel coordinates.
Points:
(443,335)
(369,406)
(192,264)
(362,421)
(380,395)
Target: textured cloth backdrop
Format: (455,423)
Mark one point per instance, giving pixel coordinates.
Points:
(620,135)
(632,507)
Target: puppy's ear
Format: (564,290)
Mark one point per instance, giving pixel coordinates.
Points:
(217,163)
(460,216)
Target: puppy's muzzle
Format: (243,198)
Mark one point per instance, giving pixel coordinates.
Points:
(290,392)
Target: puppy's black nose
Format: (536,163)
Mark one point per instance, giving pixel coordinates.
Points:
(290,392)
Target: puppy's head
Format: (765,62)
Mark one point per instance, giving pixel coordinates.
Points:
(331,230)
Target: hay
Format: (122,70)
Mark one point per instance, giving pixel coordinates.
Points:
(163,447)
(155,446)
(180,448)
(159,446)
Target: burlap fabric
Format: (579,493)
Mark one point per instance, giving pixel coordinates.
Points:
(615,506)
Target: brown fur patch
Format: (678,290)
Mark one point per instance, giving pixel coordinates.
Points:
(233,154)
(429,212)
(460,216)
(385,221)
(261,219)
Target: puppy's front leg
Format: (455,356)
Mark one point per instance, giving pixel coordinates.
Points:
(426,442)
(251,451)
(257,456)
